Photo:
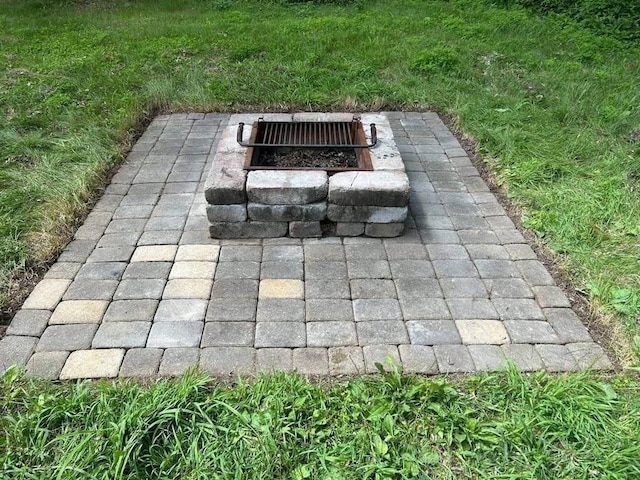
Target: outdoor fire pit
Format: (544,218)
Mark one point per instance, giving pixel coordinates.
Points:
(305,174)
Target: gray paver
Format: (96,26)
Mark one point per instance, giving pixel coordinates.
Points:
(181,310)
(557,358)
(487,357)
(453,358)
(376,309)
(325,270)
(368,269)
(454,268)
(139,289)
(411,288)
(525,357)
(311,361)
(472,308)
(176,361)
(280,310)
(293,270)
(91,290)
(175,334)
(528,331)
(418,359)
(346,361)
(280,334)
(567,325)
(589,355)
(433,332)
(121,335)
(46,365)
(382,332)
(518,309)
(424,308)
(15,350)
(274,360)
(228,334)
(373,288)
(29,323)
(329,334)
(551,297)
(141,362)
(130,311)
(232,309)
(226,361)
(66,337)
(338,288)
(234,288)
(386,356)
(102,271)
(508,288)
(328,310)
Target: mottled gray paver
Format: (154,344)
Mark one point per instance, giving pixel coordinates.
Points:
(143,291)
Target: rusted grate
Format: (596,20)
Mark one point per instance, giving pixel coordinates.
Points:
(269,139)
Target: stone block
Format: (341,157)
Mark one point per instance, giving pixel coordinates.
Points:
(248,229)
(140,289)
(433,332)
(382,332)
(197,253)
(141,362)
(92,364)
(590,355)
(383,188)
(331,334)
(154,253)
(274,360)
(384,230)
(187,288)
(346,361)
(311,361)
(366,213)
(280,334)
(226,361)
(372,288)
(193,270)
(385,355)
(225,186)
(418,359)
(281,288)
(15,350)
(557,358)
(176,361)
(353,229)
(283,270)
(29,323)
(487,332)
(530,331)
(46,365)
(280,310)
(232,309)
(287,213)
(376,309)
(488,357)
(121,335)
(227,213)
(338,288)
(228,334)
(47,294)
(525,357)
(453,359)
(131,310)
(66,337)
(175,334)
(281,187)
(181,310)
(305,229)
(79,311)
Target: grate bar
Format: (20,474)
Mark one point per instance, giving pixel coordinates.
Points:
(308,134)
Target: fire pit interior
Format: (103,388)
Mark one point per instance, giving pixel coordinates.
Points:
(330,146)
(307,174)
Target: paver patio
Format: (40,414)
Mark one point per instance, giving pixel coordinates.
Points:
(143,291)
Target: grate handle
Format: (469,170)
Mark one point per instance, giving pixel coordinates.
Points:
(374,141)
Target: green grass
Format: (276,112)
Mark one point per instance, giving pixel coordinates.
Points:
(553,107)
(506,425)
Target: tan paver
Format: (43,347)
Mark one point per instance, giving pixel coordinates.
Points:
(79,311)
(92,364)
(193,270)
(47,294)
(154,253)
(280,288)
(489,332)
(187,288)
(198,253)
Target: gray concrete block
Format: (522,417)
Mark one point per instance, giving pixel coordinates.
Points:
(352,229)
(305,229)
(280,334)
(227,213)
(368,269)
(418,359)
(508,288)
(463,288)
(372,288)
(228,334)
(346,361)
(453,359)
(386,356)
(590,355)
(91,290)
(331,334)
(382,333)
(225,186)
(230,309)
(281,310)
(141,362)
(410,288)
(234,288)
(121,335)
(325,270)
(176,361)
(472,308)
(140,288)
(367,214)
(248,229)
(384,188)
(488,357)
(376,309)
(525,357)
(282,269)
(102,271)
(311,361)
(428,308)
(131,311)
(287,213)
(338,288)
(66,337)
(530,331)
(274,360)
(46,365)
(281,187)
(518,309)
(181,310)
(29,323)
(175,334)
(328,309)
(433,332)
(227,361)
(15,350)
(557,358)
(567,325)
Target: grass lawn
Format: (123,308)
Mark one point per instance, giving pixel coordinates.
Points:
(553,107)
(506,426)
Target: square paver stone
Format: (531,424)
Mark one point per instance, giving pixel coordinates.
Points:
(187,288)
(418,359)
(154,253)
(282,253)
(147,270)
(121,335)
(376,309)
(329,309)
(241,309)
(46,294)
(197,253)
(228,334)
(311,361)
(382,332)
(331,334)
(281,310)
(338,288)
(482,332)
(78,311)
(176,361)
(46,365)
(346,361)
(91,290)
(66,337)
(92,364)
(141,362)
(29,323)
(433,332)
(488,357)
(525,357)
(131,311)
(453,359)
(226,361)
(373,288)
(386,356)
(175,334)
(281,288)
(280,334)
(193,270)
(15,350)
(181,310)
(274,360)
(140,288)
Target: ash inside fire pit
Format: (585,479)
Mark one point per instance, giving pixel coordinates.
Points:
(308,158)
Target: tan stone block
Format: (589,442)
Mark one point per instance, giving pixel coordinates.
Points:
(488,332)
(281,288)
(92,364)
(188,288)
(47,294)
(198,253)
(79,311)
(193,270)
(154,253)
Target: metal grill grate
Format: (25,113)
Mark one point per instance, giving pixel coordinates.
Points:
(308,135)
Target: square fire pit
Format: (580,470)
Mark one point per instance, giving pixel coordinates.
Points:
(345,182)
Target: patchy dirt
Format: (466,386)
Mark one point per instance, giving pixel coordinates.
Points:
(308,158)
(599,325)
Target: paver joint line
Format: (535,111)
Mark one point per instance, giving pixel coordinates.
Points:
(143,291)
